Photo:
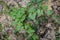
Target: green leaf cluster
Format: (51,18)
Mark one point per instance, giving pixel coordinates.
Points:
(37,13)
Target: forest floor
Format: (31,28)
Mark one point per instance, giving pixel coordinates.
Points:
(47,31)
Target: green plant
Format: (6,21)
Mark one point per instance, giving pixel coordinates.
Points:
(33,12)
(19,16)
